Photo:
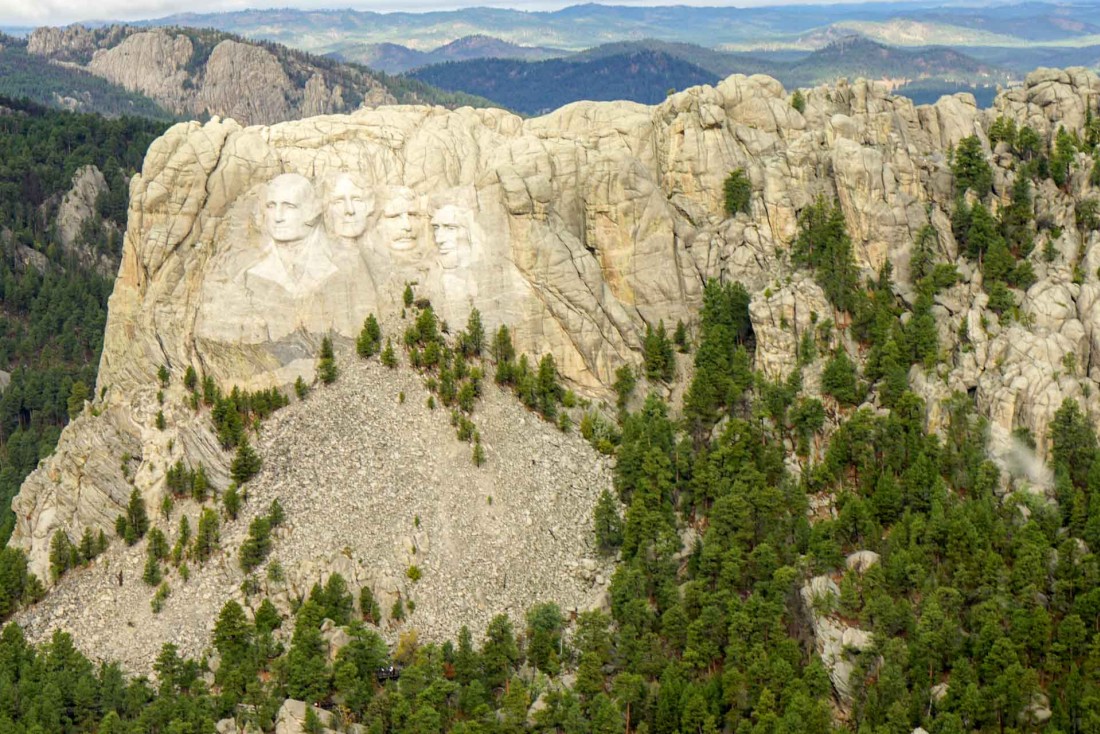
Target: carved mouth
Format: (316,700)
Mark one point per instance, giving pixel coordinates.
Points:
(405,243)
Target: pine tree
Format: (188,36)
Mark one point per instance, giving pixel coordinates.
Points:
(370,338)
(389,357)
(660,363)
(232,501)
(77,395)
(474,341)
(275,514)
(823,245)
(624,385)
(257,545)
(407,297)
(151,575)
(839,379)
(798,101)
(207,537)
(157,544)
(504,354)
(737,192)
(368,606)
(499,652)
(326,365)
(200,485)
(548,389)
(62,554)
(609,526)
(971,169)
(190,378)
(1061,159)
(1073,443)
(680,338)
(137,521)
(246,462)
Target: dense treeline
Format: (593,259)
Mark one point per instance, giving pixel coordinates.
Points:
(51,322)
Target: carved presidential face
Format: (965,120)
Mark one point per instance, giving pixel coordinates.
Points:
(400,222)
(452,236)
(290,208)
(347,206)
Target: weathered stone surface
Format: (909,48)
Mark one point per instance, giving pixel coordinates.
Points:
(835,640)
(861,561)
(292,716)
(77,208)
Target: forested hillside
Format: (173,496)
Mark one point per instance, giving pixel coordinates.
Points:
(540,86)
(32,77)
(52,311)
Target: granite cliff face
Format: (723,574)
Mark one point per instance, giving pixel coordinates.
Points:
(577,230)
(203,73)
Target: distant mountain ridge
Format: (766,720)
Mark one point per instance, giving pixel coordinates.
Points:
(580,27)
(394,58)
(535,87)
(643,71)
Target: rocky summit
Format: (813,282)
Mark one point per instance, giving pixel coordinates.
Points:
(577,230)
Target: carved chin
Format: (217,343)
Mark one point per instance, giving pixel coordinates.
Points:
(351,230)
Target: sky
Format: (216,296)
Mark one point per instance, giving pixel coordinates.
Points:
(63,12)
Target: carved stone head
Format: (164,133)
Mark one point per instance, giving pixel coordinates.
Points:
(347,206)
(400,222)
(290,208)
(451,229)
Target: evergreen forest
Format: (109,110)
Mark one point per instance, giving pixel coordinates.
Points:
(53,310)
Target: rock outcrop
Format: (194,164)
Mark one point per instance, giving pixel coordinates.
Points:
(839,644)
(577,230)
(76,211)
(202,73)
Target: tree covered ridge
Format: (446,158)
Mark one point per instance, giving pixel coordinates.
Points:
(52,322)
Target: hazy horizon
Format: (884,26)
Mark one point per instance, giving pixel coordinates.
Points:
(32,13)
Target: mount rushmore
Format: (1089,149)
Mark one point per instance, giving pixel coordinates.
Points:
(577,230)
